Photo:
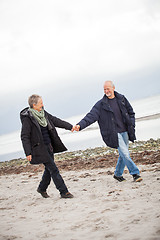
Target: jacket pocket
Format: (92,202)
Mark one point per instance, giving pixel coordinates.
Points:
(39,154)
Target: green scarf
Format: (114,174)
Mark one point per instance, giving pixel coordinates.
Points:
(39,116)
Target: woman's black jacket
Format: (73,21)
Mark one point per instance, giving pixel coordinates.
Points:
(103,113)
(32,139)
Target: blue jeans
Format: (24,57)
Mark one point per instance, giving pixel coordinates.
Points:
(124,156)
(51,171)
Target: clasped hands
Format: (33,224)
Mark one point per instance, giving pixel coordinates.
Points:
(75,128)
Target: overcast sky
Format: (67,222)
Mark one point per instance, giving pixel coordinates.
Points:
(65,49)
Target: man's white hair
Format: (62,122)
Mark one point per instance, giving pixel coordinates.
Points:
(109,81)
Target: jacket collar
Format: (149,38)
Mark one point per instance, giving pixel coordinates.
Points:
(105,102)
(117,95)
(26,113)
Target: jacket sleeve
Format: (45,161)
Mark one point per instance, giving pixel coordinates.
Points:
(91,117)
(25,136)
(130,111)
(60,123)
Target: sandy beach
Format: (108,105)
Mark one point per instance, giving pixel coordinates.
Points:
(101,209)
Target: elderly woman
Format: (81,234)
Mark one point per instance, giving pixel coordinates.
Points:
(40,141)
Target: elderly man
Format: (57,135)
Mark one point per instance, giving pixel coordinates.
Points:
(116,120)
(40,141)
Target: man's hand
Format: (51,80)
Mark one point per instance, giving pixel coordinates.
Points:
(75,128)
(29,158)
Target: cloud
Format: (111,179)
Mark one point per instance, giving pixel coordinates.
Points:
(62,40)
(71,47)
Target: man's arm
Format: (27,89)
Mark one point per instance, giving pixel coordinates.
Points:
(90,118)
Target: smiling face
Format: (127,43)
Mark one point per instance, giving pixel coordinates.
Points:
(109,89)
(39,105)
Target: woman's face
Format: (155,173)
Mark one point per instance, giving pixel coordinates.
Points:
(39,105)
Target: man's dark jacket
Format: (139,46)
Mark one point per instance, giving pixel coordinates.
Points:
(32,139)
(103,113)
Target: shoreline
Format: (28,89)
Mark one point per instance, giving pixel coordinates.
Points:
(148,117)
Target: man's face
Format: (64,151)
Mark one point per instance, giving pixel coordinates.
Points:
(109,90)
(39,105)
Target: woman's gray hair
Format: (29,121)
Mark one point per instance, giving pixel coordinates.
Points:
(33,100)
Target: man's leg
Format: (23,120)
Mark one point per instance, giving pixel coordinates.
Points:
(124,153)
(119,167)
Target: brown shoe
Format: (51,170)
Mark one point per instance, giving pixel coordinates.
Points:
(44,194)
(66,195)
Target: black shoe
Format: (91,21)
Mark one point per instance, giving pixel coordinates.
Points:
(44,194)
(137,178)
(120,179)
(66,195)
